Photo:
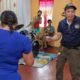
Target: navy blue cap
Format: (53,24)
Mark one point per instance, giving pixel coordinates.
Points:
(70,5)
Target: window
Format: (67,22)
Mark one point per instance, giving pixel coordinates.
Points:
(47,9)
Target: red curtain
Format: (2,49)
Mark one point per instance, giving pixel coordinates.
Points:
(46,2)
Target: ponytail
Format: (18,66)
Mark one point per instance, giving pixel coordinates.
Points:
(11,28)
(9,18)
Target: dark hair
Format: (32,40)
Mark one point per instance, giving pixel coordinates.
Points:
(40,11)
(9,18)
(49,20)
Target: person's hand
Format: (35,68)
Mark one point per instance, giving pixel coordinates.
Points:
(48,39)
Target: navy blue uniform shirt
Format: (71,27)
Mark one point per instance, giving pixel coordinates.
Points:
(70,34)
(12,45)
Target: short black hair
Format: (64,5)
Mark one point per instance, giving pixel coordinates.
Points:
(39,11)
(49,20)
(8,18)
(70,5)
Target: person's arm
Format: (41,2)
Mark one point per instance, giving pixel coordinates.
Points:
(33,21)
(27,51)
(45,30)
(55,37)
(58,35)
(28,58)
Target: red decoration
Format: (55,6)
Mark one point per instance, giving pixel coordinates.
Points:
(45,19)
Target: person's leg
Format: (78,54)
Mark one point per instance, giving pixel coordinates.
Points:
(44,42)
(60,64)
(74,63)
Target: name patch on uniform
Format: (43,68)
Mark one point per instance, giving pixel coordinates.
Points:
(77,26)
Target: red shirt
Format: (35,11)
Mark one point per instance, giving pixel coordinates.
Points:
(36,24)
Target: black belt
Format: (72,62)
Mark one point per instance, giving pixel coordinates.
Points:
(74,47)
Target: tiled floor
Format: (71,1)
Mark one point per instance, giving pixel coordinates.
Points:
(46,73)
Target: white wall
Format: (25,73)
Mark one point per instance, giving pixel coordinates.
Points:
(7,5)
(20,7)
(27,11)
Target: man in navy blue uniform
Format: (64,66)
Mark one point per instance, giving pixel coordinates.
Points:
(69,30)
